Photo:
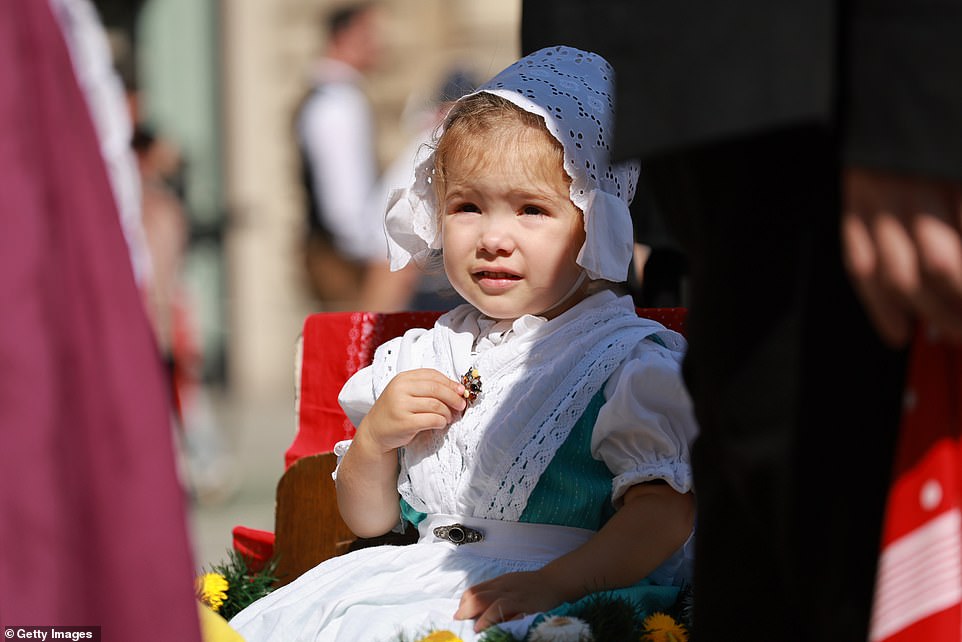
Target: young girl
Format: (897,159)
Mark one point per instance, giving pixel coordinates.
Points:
(538,436)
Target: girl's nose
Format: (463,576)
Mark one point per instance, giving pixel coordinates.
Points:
(496,237)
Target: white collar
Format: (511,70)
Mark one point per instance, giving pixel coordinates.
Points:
(492,332)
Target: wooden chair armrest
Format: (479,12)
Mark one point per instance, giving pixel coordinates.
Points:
(307,525)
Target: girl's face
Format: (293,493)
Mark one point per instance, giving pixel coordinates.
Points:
(509,230)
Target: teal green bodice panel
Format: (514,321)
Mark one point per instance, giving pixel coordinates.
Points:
(575,489)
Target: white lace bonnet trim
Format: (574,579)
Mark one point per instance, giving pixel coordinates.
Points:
(573,91)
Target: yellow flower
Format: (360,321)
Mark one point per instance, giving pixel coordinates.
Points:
(663,628)
(441,636)
(212,590)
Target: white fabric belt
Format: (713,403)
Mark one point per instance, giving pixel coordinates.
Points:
(507,540)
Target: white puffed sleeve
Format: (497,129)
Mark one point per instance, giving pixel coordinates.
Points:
(357,395)
(359,392)
(646,427)
(356,398)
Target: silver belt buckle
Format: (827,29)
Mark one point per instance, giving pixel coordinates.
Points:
(459,534)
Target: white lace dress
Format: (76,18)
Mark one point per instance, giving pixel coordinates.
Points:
(538,379)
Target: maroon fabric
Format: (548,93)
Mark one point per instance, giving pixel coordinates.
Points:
(92,516)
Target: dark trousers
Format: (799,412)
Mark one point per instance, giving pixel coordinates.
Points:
(797,400)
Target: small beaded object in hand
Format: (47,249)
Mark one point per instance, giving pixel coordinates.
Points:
(472,384)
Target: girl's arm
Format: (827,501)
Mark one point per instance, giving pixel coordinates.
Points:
(366,483)
(653,522)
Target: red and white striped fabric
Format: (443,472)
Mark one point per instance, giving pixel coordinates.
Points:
(918,593)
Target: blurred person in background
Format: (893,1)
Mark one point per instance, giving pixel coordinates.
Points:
(335,132)
(660,267)
(166,228)
(412,288)
(94,523)
(207,465)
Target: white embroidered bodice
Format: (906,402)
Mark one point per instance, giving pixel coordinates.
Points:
(537,380)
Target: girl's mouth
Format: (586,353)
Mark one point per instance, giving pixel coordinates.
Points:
(498,276)
(493,282)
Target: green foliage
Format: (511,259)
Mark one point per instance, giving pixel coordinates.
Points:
(612,618)
(682,609)
(497,634)
(244,586)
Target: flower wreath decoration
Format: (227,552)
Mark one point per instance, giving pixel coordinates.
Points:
(228,587)
(604,617)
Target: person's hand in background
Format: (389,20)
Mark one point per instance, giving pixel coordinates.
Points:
(902,244)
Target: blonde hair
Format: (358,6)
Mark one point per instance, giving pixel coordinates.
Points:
(479,116)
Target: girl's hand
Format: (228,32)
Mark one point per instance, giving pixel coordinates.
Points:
(366,483)
(652,522)
(507,597)
(413,401)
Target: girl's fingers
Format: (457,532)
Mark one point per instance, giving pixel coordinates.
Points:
(499,611)
(434,413)
(431,384)
(419,400)
(448,392)
(483,606)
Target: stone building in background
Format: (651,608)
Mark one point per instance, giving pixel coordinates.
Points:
(222,78)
